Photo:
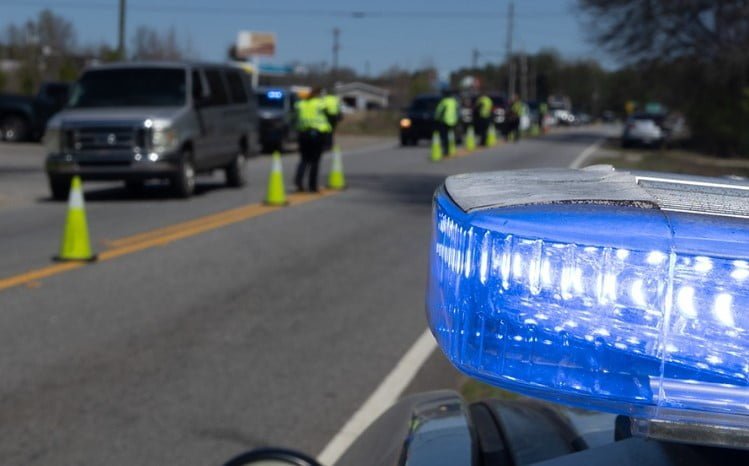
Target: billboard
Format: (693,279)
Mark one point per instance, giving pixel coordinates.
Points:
(256,44)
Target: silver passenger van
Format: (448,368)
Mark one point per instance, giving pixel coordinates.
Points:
(153,120)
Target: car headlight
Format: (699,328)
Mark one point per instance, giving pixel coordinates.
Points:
(405,122)
(164,139)
(52,140)
(597,288)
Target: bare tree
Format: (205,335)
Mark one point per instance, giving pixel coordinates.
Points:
(150,44)
(704,30)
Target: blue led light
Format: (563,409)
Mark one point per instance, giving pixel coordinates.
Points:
(275,95)
(623,309)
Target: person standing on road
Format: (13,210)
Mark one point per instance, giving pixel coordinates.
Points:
(516,114)
(314,130)
(543,110)
(483,112)
(446,117)
(333,113)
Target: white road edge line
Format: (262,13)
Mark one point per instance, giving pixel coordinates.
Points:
(585,155)
(386,394)
(391,387)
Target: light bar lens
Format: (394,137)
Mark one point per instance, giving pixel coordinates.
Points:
(615,308)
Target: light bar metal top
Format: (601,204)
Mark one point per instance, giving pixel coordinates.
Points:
(600,184)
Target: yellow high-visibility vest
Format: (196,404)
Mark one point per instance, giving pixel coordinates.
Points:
(332,105)
(485,105)
(447,111)
(310,114)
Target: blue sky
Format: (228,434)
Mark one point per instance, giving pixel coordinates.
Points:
(304,32)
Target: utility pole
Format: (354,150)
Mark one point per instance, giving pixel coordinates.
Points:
(121,32)
(336,48)
(510,61)
(523,75)
(533,78)
(475,59)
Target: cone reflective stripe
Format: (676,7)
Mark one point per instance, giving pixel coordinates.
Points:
(451,142)
(276,194)
(436,148)
(470,139)
(75,245)
(491,136)
(336,179)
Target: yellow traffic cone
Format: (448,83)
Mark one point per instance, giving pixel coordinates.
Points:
(336,180)
(470,139)
(436,147)
(491,136)
(276,194)
(451,143)
(75,244)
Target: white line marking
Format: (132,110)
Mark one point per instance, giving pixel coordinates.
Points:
(391,387)
(584,155)
(382,398)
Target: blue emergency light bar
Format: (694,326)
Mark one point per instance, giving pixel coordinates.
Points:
(607,290)
(274,94)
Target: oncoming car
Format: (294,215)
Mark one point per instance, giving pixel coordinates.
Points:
(153,120)
(644,129)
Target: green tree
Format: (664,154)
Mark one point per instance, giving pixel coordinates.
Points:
(694,52)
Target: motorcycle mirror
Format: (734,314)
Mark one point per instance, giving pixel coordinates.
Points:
(272,457)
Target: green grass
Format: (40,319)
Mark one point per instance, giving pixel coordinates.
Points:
(373,123)
(671,160)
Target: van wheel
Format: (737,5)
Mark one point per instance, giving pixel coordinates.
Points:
(59,187)
(14,128)
(183,184)
(236,172)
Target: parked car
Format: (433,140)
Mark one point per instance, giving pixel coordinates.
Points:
(276,118)
(23,118)
(145,120)
(644,129)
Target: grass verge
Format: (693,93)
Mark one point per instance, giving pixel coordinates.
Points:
(669,160)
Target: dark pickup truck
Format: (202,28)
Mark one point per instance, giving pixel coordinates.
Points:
(23,118)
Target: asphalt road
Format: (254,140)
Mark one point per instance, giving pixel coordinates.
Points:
(243,330)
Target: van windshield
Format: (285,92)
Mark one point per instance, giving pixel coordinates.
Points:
(130,87)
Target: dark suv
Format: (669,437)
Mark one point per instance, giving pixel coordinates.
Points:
(418,120)
(276,117)
(153,120)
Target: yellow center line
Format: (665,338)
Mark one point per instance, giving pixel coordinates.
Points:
(163,236)
(38,274)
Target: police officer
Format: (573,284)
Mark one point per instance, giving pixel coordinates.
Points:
(516,114)
(543,110)
(314,130)
(333,113)
(483,111)
(446,117)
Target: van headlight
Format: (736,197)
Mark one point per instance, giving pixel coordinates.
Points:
(164,139)
(52,140)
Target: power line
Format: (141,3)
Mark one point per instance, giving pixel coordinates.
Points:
(173,9)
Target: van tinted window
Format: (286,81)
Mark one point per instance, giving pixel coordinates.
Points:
(216,87)
(237,88)
(130,87)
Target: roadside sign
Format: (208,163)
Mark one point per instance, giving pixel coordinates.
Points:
(256,44)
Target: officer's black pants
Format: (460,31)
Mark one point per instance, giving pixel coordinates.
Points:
(444,131)
(482,128)
(311,145)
